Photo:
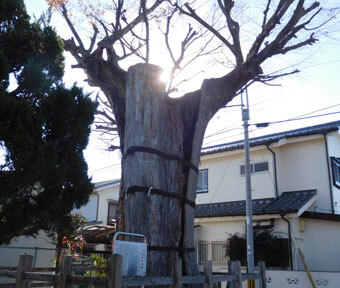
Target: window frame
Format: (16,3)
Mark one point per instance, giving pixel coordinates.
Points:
(335,162)
(108,210)
(252,168)
(207,180)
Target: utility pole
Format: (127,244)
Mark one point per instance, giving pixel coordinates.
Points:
(249,208)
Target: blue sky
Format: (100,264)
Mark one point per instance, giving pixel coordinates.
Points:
(316,87)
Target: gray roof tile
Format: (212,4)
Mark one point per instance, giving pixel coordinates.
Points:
(271,138)
(290,201)
(287,202)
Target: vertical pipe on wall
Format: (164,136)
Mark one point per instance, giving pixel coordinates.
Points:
(35,256)
(275,171)
(97,206)
(289,241)
(329,172)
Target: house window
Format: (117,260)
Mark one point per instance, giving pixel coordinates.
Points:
(336,171)
(212,250)
(255,168)
(202,251)
(218,253)
(202,181)
(112,213)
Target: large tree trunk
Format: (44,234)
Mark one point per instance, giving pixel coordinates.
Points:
(172,127)
(154,120)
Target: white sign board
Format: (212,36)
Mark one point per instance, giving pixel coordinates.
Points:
(134,257)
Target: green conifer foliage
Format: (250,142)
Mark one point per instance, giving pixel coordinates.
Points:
(44,129)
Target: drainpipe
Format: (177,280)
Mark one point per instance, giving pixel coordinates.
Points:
(329,172)
(275,172)
(97,206)
(289,241)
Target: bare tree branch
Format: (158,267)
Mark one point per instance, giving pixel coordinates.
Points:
(234,29)
(70,25)
(288,32)
(106,128)
(265,14)
(108,117)
(308,41)
(184,45)
(119,33)
(93,38)
(147,29)
(193,14)
(119,15)
(268,27)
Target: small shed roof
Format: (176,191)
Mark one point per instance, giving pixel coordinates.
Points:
(97,234)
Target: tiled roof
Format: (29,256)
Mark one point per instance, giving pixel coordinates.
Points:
(233,208)
(290,201)
(287,202)
(271,138)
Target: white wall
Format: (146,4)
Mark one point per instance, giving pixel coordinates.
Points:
(211,229)
(333,139)
(41,240)
(319,244)
(225,182)
(295,279)
(106,195)
(292,279)
(89,210)
(303,165)
(99,201)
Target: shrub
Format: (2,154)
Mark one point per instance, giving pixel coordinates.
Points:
(267,247)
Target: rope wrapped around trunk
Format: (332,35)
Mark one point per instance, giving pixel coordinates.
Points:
(184,162)
(149,190)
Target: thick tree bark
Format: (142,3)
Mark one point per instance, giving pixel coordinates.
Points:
(153,120)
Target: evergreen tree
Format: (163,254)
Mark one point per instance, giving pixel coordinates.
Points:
(44,129)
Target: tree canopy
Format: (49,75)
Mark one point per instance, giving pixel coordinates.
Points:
(44,128)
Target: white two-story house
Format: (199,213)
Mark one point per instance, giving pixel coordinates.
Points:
(295,179)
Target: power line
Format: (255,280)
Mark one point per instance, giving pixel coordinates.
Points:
(322,109)
(266,124)
(225,130)
(103,168)
(222,131)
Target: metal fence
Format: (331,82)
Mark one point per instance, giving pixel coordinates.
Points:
(9,257)
(212,250)
(42,257)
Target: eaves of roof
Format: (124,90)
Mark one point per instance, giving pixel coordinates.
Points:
(271,138)
(104,184)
